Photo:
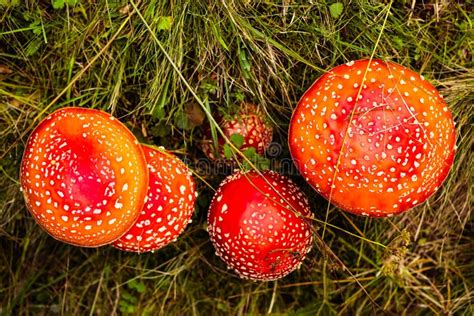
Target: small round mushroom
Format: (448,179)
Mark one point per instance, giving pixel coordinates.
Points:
(375,139)
(257,225)
(84,177)
(249,123)
(169,206)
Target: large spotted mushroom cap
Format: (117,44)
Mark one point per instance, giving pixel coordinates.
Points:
(84,176)
(376,139)
(169,206)
(249,123)
(256,224)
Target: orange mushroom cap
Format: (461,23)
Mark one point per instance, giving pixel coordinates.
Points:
(84,177)
(374,146)
(256,225)
(169,206)
(249,123)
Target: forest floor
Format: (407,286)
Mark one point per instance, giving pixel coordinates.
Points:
(153,64)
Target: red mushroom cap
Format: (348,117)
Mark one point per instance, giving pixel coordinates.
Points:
(84,177)
(249,123)
(169,205)
(258,230)
(393,132)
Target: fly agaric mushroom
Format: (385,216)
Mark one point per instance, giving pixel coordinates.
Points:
(84,177)
(256,224)
(169,205)
(249,123)
(374,138)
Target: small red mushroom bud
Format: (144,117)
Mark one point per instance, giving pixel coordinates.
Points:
(375,139)
(250,124)
(84,177)
(169,205)
(257,225)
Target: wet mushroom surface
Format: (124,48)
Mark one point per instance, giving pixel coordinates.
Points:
(83,176)
(375,139)
(169,206)
(259,224)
